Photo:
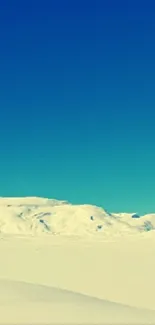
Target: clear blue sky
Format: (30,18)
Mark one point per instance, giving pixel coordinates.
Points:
(77,101)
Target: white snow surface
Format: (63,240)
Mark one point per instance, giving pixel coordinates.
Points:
(38,216)
(80,275)
(48,305)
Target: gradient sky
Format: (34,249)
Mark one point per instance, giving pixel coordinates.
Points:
(77,102)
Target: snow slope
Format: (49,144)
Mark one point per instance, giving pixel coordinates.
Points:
(38,216)
(23,303)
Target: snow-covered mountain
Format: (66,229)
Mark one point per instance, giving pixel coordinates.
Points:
(62,280)
(34,215)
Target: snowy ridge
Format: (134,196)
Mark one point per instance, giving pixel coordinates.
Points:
(38,216)
(30,201)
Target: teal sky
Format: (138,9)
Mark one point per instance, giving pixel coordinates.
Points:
(77,102)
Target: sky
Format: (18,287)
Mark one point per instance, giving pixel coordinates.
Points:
(77,102)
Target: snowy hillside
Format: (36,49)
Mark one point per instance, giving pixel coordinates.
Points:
(36,216)
(40,304)
(66,281)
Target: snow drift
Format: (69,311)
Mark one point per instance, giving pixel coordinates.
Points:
(24,303)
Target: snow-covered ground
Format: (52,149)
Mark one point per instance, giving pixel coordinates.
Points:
(81,274)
